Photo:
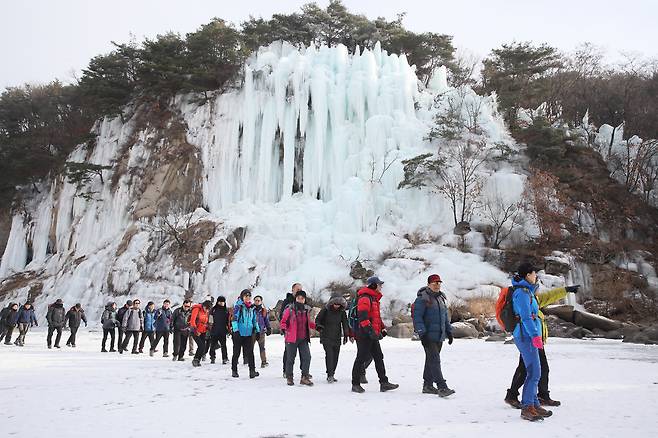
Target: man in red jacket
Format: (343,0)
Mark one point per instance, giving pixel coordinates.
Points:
(370,331)
(199,327)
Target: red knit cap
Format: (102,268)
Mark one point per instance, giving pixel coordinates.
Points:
(433,279)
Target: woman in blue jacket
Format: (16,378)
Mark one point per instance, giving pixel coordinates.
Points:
(527,337)
(149,327)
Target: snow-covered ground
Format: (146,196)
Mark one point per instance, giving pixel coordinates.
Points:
(608,389)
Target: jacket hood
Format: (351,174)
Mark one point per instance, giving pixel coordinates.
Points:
(109,305)
(367,291)
(337,300)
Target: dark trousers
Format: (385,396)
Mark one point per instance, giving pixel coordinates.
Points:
(165,341)
(202,344)
(151,338)
(52,330)
(365,350)
(304,356)
(126,340)
(217,342)
(71,339)
(241,343)
(180,343)
(331,357)
(432,371)
(110,332)
(5,332)
(520,374)
(120,337)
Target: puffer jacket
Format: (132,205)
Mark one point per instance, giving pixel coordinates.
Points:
(149,320)
(133,321)
(526,307)
(331,323)
(56,315)
(199,319)
(109,317)
(244,320)
(220,321)
(367,307)
(431,315)
(294,319)
(181,319)
(75,316)
(163,320)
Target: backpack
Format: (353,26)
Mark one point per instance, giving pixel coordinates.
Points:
(505,310)
(353,314)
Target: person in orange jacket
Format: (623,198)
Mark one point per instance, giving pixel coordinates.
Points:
(199,326)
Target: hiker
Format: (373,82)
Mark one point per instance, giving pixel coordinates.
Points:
(132,323)
(120,313)
(370,330)
(543,394)
(244,325)
(331,322)
(8,322)
(219,330)
(56,317)
(74,317)
(528,339)
(199,327)
(264,325)
(296,325)
(109,322)
(290,298)
(431,322)
(180,323)
(163,321)
(149,327)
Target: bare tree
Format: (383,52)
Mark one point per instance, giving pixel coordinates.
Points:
(504,216)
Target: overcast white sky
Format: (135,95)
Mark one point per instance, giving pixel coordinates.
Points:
(45,39)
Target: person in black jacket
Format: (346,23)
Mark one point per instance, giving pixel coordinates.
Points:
(109,322)
(219,330)
(331,322)
(8,322)
(181,325)
(56,318)
(122,311)
(73,317)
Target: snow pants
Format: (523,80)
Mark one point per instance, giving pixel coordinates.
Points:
(241,343)
(304,356)
(105,333)
(520,374)
(331,353)
(217,342)
(530,356)
(432,372)
(368,349)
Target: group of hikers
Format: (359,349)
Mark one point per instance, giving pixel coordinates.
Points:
(208,324)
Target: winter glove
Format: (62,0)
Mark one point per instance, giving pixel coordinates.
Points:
(573,289)
(283,333)
(384,333)
(344,340)
(450,339)
(268,331)
(537,342)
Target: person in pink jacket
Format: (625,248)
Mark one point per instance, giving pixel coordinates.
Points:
(296,325)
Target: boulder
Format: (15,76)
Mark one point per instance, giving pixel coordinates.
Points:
(614,334)
(401,319)
(498,337)
(462,228)
(464,330)
(478,323)
(358,272)
(591,321)
(402,330)
(276,329)
(556,265)
(562,311)
(558,328)
(641,335)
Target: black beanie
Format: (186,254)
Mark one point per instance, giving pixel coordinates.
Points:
(300,292)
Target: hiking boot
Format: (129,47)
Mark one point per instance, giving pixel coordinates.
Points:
(151,353)
(181,359)
(253,374)
(175,358)
(388,386)
(73,345)
(56,346)
(513,402)
(224,361)
(132,352)
(141,351)
(103,350)
(212,361)
(547,401)
(543,412)
(531,414)
(358,388)
(430,390)
(306,380)
(112,350)
(165,354)
(445,392)
(196,363)
(50,347)
(68,345)
(363,381)
(264,365)
(331,379)
(234,373)
(290,381)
